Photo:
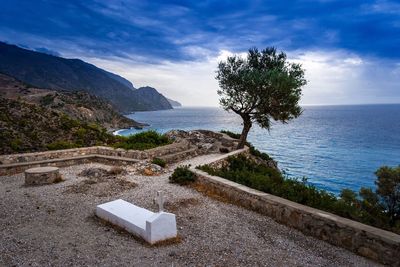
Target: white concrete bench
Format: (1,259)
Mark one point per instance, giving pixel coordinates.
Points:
(152,227)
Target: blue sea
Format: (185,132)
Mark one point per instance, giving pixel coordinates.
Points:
(335,147)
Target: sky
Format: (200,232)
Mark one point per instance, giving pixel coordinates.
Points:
(350,49)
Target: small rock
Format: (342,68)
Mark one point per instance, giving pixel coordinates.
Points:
(148,172)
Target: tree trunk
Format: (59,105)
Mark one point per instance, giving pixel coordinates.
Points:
(246,128)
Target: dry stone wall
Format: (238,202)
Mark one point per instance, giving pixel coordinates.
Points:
(365,240)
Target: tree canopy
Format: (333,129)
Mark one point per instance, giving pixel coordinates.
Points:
(262,87)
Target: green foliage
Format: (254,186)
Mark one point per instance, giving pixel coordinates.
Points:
(388,188)
(47,100)
(231,134)
(16,144)
(366,207)
(260,88)
(254,151)
(68,123)
(183,176)
(61,145)
(159,162)
(142,141)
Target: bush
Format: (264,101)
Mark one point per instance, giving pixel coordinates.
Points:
(117,170)
(231,134)
(182,175)
(61,145)
(142,141)
(388,188)
(253,151)
(366,207)
(159,162)
(47,100)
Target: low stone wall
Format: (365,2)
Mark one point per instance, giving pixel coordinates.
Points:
(46,155)
(10,169)
(95,150)
(368,241)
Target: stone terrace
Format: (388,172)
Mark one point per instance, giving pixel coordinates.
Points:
(54,225)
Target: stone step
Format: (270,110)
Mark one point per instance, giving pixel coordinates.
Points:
(175,157)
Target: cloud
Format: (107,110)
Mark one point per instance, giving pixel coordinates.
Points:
(335,77)
(349,48)
(340,77)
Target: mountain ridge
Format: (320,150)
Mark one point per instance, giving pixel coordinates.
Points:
(56,73)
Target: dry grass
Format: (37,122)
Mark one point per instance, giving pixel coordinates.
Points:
(181,204)
(117,170)
(100,182)
(212,193)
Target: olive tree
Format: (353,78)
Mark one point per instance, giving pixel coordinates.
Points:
(262,87)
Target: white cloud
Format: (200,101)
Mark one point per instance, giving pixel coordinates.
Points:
(339,77)
(335,77)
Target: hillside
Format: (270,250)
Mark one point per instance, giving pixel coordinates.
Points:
(56,73)
(30,127)
(77,105)
(150,96)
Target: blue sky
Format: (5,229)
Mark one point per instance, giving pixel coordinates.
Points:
(350,49)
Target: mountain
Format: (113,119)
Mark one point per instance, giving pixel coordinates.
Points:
(77,105)
(150,96)
(57,73)
(174,103)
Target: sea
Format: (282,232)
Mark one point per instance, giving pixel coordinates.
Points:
(334,147)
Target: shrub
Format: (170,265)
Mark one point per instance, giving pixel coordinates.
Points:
(117,170)
(68,123)
(223,150)
(388,188)
(253,151)
(366,207)
(182,175)
(47,100)
(142,141)
(159,162)
(231,134)
(61,145)
(16,144)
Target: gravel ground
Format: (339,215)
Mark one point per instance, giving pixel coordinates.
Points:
(53,225)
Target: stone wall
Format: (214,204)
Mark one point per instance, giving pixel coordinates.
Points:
(368,241)
(95,150)
(46,155)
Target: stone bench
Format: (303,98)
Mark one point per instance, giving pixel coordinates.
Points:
(152,227)
(42,175)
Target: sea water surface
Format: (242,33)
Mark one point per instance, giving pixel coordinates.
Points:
(335,147)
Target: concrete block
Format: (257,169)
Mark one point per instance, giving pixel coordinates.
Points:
(152,227)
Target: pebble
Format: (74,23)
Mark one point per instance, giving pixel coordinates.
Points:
(212,233)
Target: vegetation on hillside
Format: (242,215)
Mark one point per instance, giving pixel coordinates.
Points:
(380,208)
(141,141)
(253,151)
(77,105)
(27,127)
